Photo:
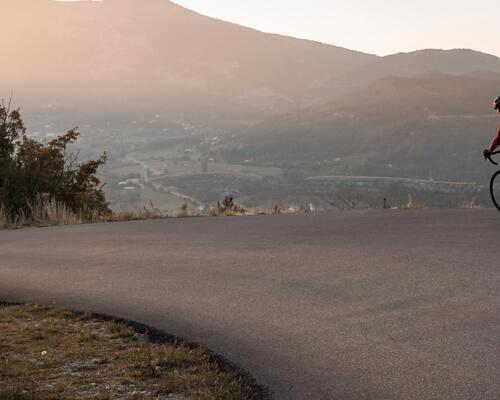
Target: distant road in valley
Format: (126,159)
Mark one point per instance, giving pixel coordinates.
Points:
(387,179)
(367,305)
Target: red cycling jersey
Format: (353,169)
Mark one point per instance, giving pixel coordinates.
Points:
(496,141)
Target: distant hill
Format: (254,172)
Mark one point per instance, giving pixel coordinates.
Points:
(456,62)
(154,55)
(432,123)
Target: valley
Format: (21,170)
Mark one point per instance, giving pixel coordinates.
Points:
(189,124)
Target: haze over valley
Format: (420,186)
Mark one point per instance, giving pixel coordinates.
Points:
(191,108)
(192,208)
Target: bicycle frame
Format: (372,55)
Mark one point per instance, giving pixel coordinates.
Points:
(492,154)
(492,182)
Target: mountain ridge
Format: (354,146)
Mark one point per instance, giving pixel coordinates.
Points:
(189,58)
(125,55)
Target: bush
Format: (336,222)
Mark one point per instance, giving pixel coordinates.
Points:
(42,180)
(228,208)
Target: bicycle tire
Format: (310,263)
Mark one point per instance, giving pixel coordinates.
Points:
(496,201)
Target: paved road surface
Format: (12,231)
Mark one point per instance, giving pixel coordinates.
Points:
(352,306)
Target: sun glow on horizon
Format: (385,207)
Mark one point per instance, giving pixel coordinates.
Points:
(371,26)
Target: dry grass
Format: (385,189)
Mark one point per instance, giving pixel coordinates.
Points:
(468,204)
(4,219)
(43,212)
(412,205)
(50,212)
(144,213)
(54,354)
(8,222)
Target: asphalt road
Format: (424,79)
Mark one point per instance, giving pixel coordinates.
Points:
(349,306)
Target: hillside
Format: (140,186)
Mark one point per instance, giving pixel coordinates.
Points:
(455,62)
(156,55)
(208,107)
(428,124)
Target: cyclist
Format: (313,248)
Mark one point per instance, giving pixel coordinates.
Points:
(496,140)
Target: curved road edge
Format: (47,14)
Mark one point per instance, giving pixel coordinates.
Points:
(159,336)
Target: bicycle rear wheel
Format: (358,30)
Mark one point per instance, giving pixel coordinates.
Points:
(495,189)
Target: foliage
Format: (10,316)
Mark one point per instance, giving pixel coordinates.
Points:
(228,208)
(33,172)
(184,211)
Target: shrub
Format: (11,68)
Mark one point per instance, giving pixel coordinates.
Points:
(184,211)
(228,208)
(42,181)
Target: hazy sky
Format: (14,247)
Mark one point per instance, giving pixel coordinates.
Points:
(374,26)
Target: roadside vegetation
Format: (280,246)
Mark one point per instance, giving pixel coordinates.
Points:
(228,207)
(44,183)
(48,353)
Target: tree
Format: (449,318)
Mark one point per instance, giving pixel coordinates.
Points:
(31,170)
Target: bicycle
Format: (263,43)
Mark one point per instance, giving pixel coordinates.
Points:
(495,186)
